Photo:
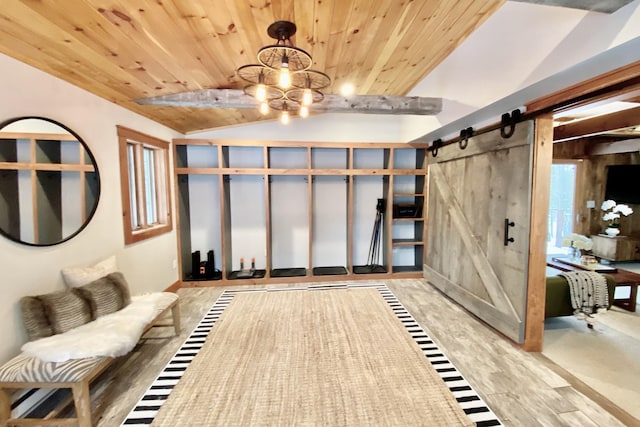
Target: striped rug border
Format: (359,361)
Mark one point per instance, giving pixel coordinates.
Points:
(144,412)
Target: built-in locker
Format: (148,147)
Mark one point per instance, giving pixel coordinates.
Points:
(199,213)
(289,225)
(286,211)
(329,235)
(369,195)
(245,219)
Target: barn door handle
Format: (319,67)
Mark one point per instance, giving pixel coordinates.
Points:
(508,224)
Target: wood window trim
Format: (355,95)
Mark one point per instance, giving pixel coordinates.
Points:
(125,136)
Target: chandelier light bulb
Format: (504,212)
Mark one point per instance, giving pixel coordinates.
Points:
(307,97)
(285,78)
(285,75)
(284,118)
(347,89)
(261,92)
(304,111)
(264,108)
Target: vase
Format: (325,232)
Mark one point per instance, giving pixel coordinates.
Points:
(612,231)
(576,253)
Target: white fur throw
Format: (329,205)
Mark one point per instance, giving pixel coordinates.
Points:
(112,335)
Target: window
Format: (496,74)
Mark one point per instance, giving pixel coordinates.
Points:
(145,185)
(563,203)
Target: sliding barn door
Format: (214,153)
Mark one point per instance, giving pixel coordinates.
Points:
(479,211)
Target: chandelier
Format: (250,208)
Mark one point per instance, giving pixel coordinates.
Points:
(282,80)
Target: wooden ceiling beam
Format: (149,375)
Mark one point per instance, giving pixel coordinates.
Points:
(597,125)
(364,104)
(615,147)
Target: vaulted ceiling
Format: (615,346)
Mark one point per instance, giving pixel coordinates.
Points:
(125,50)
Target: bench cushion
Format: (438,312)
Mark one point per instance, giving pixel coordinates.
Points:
(24,368)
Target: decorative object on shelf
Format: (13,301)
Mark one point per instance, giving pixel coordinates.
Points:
(374,264)
(283,80)
(204,270)
(246,272)
(613,211)
(407,210)
(577,243)
(612,231)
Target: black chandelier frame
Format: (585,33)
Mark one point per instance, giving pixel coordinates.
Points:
(270,62)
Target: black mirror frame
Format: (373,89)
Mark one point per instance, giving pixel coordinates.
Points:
(95,165)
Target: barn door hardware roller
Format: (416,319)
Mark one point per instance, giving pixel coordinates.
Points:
(465,134)
(508,224)
(508,123)
(434,147)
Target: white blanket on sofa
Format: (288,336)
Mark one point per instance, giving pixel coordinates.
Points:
(588,291)
(112,335)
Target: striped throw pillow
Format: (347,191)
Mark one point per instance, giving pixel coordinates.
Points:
(106,295)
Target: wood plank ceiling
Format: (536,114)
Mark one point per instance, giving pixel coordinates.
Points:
(123,50)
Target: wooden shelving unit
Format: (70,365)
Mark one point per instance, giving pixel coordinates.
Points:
(54,181)
(293,208)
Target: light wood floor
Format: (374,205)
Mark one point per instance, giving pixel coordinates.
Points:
(523,389)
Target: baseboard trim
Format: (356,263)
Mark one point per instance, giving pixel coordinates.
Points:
(174,286)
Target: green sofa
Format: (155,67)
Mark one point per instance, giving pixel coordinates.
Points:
(558,299)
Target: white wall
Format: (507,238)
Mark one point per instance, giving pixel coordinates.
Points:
(34,270)
(322,127)
(517,46)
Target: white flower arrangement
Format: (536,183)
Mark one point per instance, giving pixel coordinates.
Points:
(578,241)
(613,211)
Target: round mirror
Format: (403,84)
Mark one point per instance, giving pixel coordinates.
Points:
(49,182)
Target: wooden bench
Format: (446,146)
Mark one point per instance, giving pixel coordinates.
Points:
(27,372)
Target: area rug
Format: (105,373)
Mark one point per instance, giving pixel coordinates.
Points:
(343,354)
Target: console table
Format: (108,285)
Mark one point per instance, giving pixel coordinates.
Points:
(618,248)
(575,263)
(622,278)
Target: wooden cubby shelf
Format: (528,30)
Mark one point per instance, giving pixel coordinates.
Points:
(301,212)
(407,242)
